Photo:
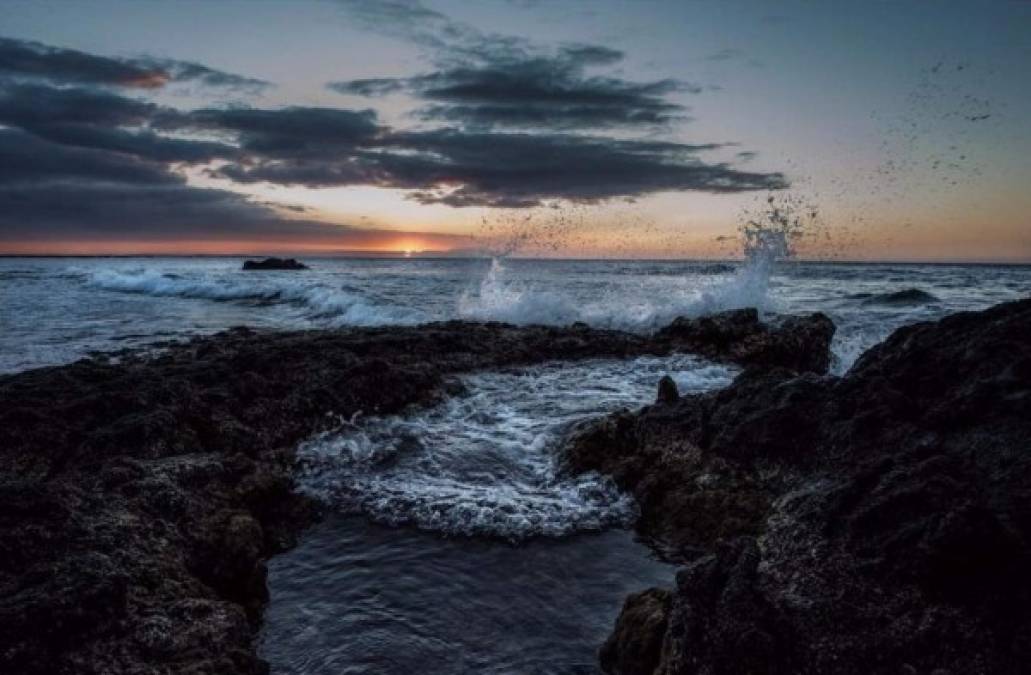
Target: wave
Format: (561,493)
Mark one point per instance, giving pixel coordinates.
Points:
(483,464)
(333,306)
(908,296)
(515,300)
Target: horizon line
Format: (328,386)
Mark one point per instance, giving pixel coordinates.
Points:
(443,255)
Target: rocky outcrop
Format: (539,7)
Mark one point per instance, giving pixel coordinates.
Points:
(142,494)
(274,264)
(875,523)
(797,342)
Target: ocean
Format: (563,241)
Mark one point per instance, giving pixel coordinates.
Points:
(54,310)
(453,543)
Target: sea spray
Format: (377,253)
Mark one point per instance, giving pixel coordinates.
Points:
(515,291)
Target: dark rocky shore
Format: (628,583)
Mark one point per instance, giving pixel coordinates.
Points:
(875,523)
(142,493)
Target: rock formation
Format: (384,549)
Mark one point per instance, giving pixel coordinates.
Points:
(140,495)
(274,264)
(875,523)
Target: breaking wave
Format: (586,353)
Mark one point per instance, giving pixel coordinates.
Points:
(484,463)
(334,306)
(514,299)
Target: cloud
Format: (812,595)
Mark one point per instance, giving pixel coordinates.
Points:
(79,154)
(511,87)
(174,213)
(56,183)
(375,86)
(188,71)
(462,168)
(94,118)
(26,160)
(34,60)
(535,92)
(24,59)
(489,80)
(50,193)
(412,21)
(286,132)
(34,104)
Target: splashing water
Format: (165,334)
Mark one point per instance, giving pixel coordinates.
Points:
(767,237)
(484,463)
(502,299)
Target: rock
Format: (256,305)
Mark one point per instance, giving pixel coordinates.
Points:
(274,264)
(668,392)
(169,474)
(141,497)
(908,296)
(800,343)
(635,646)
(875,523)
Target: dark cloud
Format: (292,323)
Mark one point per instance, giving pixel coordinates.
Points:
(24,104)
(49,192)
(188,71)
(94,118)
(489,80)
(594,55)
(32,60)
(77,156)
(515,170)
(142,143)
(92,209)
(99,212)
(462,168)
(375,86)
(26,160)
(412,21)
(535,91)
(287,132)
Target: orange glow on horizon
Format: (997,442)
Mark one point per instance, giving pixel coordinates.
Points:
(352,242)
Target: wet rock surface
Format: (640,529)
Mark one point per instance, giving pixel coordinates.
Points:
(798,343)
(875,523)
(142,494)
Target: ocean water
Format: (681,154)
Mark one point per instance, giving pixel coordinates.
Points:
(53,310)
(454,543)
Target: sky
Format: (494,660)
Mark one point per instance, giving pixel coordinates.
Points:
(889,131)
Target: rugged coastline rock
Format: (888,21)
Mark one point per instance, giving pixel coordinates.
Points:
(875,523)
(795,342)
(142,494)
(274,264)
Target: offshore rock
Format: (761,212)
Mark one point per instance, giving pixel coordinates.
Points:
(875,523)
(274,264)
(142,494)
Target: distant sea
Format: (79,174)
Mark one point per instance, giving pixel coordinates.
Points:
(54,310)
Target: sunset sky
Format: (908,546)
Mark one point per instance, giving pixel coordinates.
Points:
(597,128)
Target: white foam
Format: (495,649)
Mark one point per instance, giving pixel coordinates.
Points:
(333,306)
(512,299)
(483,464)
